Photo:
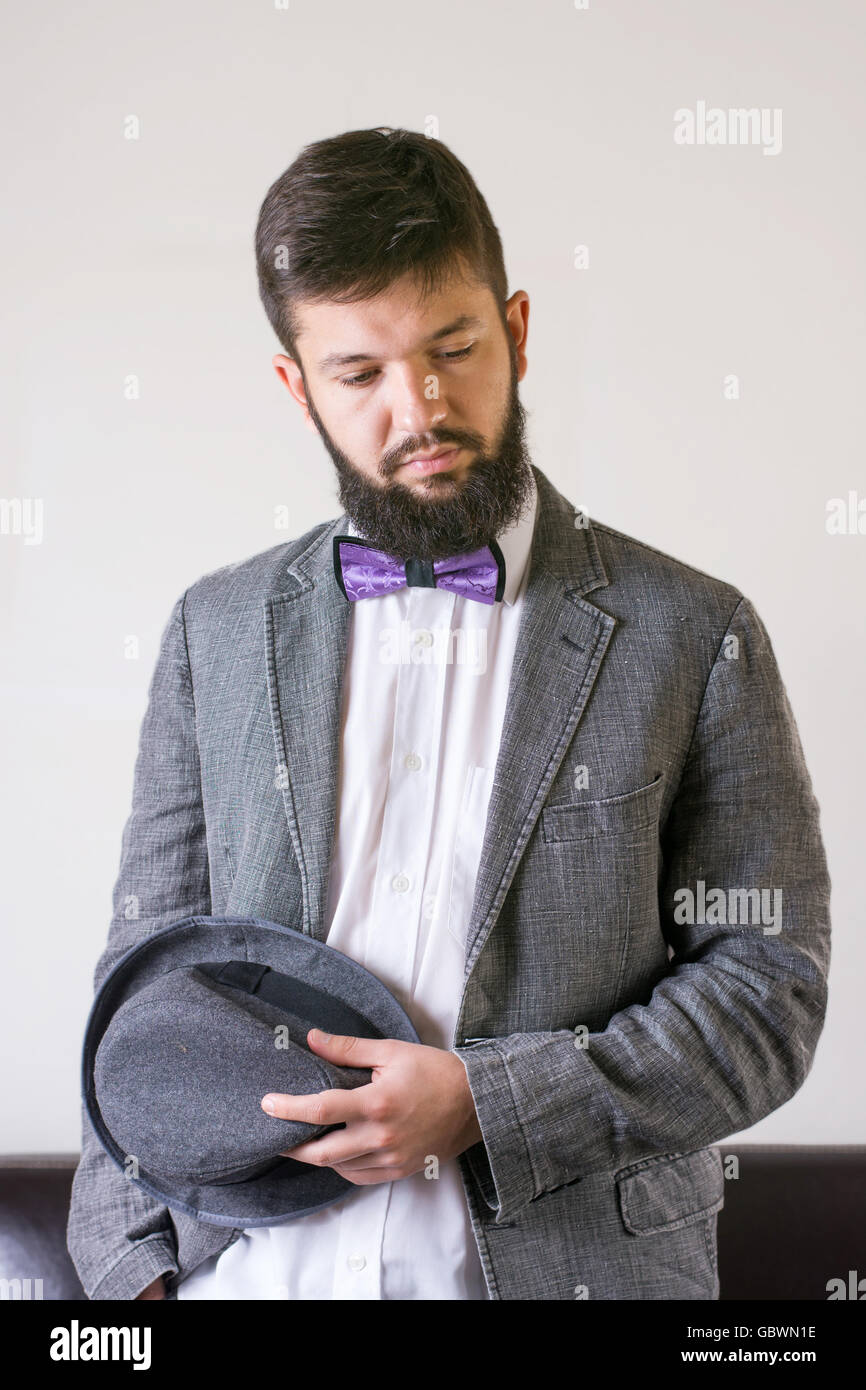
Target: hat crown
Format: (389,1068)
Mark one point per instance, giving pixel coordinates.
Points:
(182,1043)
(182,1068)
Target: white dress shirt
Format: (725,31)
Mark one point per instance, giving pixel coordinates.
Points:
(425,688)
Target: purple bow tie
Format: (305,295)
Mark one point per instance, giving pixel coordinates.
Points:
(363,572)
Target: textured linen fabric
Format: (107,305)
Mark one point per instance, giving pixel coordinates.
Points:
(648,746)
(426,682)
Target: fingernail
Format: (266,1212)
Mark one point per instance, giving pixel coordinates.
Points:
(268,1104)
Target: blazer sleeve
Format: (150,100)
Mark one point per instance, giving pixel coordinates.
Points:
(729,1033)
(121,1239)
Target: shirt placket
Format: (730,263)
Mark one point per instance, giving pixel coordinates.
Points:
(401,872)
(404,847)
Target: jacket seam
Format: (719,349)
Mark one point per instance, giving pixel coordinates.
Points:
(643,1163)
(713,664)
(189,680)
(664,554)
(187,656)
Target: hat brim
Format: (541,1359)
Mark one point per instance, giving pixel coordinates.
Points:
(291,1189)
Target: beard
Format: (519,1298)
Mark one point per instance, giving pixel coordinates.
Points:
(445,516)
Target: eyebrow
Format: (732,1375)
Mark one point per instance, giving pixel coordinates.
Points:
(346,359)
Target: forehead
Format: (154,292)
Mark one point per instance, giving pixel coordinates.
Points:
(393,323)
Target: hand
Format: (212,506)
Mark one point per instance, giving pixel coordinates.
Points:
(417,1105)
(154,1290)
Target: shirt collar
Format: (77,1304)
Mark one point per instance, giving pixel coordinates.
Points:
(515,543)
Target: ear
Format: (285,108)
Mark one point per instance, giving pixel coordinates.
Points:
(517,317)
(289,374)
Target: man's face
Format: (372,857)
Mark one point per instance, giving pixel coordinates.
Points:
(391,378)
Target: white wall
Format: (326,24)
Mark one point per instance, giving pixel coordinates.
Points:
(123,256)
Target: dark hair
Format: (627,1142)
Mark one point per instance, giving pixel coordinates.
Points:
(354,213)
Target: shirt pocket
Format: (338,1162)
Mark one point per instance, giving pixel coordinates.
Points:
(466,858)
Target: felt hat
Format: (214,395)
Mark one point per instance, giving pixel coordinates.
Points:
(187,1033)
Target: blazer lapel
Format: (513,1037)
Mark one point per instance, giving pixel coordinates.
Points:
(561,642)
(306,631)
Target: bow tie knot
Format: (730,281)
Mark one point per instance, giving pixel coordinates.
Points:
(362,571)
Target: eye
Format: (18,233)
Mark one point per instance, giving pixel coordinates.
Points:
(355,380)
(457,355)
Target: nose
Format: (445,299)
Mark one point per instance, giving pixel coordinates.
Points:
(415,403)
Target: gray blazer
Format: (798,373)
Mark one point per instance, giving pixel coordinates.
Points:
(610,1035)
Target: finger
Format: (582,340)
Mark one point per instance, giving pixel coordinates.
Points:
(364,1164)
(319,1108)
(349,1051)
(340,1146)
(368,1176)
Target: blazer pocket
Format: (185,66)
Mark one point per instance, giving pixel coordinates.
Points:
(671,1191)
(613,815)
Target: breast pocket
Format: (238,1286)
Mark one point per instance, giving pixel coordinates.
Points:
(633,813)
(466,858)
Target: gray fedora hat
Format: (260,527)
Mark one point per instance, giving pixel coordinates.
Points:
(187,1033)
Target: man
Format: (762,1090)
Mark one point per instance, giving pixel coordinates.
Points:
(575,836)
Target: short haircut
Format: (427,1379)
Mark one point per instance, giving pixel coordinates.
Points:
(356,212)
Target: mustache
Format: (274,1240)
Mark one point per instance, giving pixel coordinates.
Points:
(393,460)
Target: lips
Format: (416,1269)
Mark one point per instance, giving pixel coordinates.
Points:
(437,464)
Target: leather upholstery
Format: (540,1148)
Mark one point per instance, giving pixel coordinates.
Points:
(791,1221)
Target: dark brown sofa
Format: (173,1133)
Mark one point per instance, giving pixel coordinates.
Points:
(793,1219)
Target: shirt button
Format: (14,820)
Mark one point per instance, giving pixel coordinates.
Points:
(412,761)
(400,883)
(423,637)
(356,1262)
